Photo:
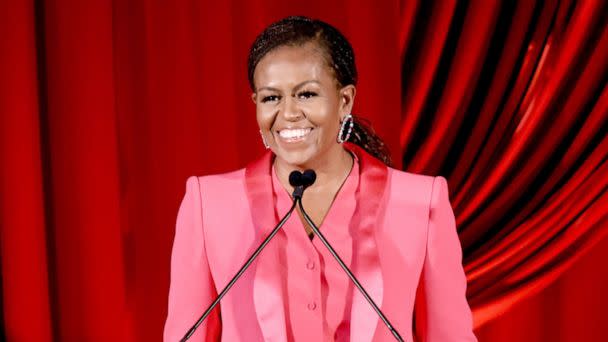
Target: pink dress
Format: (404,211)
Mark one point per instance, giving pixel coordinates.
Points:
(395,230)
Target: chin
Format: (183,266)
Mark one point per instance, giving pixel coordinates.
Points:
(297,158)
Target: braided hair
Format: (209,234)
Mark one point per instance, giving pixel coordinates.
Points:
(339,54)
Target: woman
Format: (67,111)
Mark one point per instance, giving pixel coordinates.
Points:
(395,230)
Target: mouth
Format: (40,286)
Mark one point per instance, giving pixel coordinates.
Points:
(292,135)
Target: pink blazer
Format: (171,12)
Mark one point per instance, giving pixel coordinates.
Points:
(409,252)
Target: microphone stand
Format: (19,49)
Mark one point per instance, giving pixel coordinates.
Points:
(300,182)
(350,274)
(239,273)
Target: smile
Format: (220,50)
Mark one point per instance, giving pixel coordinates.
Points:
(294,134)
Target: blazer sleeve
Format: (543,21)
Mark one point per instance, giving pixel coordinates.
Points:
(191,289)
(442,313)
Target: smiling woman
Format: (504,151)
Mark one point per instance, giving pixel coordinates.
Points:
(299,107)
(313,52)
(395,230)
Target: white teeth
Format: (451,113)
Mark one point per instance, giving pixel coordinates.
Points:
(294,133)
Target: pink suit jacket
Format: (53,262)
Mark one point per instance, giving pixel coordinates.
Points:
(408,252)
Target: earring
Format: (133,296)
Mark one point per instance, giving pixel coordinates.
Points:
(347,121)
(264,140)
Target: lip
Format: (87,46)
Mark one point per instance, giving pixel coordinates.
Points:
(294,139)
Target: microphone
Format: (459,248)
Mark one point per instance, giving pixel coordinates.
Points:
(302,181)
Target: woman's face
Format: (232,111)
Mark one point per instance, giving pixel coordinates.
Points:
(299,105)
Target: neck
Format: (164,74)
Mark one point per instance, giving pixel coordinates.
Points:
(330,170)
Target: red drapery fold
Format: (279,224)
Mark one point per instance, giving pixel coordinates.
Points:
(24,262)
(107,107)
(516,121)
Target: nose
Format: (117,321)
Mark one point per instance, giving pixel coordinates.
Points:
(291,111)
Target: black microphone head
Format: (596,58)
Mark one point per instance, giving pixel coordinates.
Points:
(308,178)
(295,178)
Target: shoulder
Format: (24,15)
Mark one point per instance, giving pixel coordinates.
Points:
(219,181)
(218,194)
(419,187)
(209,190)
(412,182)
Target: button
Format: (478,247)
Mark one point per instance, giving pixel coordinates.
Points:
(310,265)
(312,306)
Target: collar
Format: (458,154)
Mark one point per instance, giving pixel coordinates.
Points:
(269,286)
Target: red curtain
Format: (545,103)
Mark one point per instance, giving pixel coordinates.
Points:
(509,101)
(107,106)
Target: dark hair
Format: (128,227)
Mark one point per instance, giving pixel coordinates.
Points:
(296,31)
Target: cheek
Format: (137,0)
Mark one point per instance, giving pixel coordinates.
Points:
(323,111)
(331,129)
(328,119)
(264,118)
(327,129)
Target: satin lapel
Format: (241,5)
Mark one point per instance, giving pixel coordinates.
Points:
(366,260)
(268,291)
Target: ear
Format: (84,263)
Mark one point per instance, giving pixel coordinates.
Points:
(253,97)
(347,99)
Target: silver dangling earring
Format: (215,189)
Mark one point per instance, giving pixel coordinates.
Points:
(264,140)
(347,121)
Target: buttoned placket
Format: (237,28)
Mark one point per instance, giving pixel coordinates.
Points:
(304,273)
(307,258)
(314,273)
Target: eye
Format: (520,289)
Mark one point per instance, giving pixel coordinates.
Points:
(270,98)
(306,94)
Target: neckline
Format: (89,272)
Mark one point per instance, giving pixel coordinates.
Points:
(346,192)
(276,182)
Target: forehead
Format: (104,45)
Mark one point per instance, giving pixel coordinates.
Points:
(287,65)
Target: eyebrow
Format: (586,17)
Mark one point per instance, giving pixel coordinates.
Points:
(298,86)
